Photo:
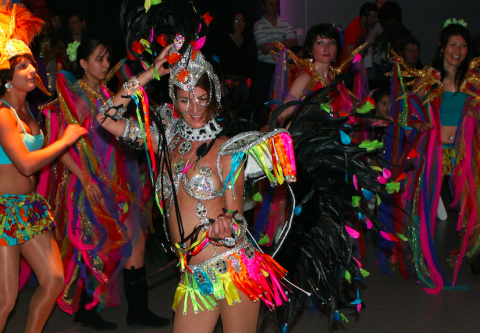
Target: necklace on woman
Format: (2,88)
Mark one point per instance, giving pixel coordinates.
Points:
(92,94)
(209,131)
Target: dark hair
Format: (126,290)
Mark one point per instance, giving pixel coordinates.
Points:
(379,93)
(390,10)
(84,51)
(80,16)
(7,74)
(437,62)
(323,30)
(402,44)
(231,30)
(204,83)
(366,8)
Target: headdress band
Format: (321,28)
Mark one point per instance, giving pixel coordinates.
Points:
(454,21)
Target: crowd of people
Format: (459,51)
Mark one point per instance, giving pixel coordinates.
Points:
(349,132)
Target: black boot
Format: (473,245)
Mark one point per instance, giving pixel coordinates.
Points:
(475,269)
(136,292)
(90,317)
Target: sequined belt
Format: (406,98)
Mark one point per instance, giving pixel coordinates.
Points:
(242,268)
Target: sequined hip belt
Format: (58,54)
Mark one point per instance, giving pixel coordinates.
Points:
(242,268)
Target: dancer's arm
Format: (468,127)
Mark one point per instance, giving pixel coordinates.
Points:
(30,162)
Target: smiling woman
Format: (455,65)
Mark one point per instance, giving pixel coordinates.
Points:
(444,112)
(26,221)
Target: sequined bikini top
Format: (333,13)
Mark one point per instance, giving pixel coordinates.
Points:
(200,186)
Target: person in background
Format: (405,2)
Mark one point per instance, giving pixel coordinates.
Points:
(409,50)
(376,57)
(77,25)
(358,30)
(104,224)
(236,54)
(390,17)
(268,29)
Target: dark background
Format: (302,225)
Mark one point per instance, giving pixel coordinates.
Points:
(103,19)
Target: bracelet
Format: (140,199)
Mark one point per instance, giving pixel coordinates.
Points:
(119,110)
(238,225)
(131,86)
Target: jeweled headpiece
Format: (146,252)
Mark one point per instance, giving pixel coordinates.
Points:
(186,72)
(18,27)
(178,22)
(454,21)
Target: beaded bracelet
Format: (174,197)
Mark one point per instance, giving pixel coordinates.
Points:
(131,86)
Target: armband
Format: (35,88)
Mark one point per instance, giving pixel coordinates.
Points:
(119,110)
(133,132)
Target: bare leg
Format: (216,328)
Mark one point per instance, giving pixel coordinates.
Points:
(137,258)
(202,322)
(43,256)
(241,317)
(9,266)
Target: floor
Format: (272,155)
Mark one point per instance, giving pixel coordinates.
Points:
(392,305)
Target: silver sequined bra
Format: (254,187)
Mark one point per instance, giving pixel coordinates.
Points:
(200,186)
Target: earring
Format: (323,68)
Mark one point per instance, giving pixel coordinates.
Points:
(8,85)
(85,69)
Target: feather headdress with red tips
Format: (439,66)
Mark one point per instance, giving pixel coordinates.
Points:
(18,27)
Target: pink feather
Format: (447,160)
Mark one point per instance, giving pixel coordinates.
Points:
(386,173)
(352,232)
(197,45)
(381,179)
(369,224)
(355,182)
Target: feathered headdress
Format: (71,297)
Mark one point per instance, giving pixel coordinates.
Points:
(178,22)
(18,27)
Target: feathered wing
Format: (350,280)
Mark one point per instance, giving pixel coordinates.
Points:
(333,188)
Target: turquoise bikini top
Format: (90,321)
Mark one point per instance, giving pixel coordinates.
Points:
(452,108)
(31,142)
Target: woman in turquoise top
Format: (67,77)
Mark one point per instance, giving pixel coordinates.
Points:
(25,218)
(445,142)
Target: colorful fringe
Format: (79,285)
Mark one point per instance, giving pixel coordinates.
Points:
(466,181)
(422,193)
(23,217)
(242,268)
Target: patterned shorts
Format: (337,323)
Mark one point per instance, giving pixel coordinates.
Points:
(22,217)
(448,158)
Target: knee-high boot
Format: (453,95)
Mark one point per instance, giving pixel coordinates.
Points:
(90,317)
(136,292)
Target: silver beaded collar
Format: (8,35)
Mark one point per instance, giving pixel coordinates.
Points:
(209,131)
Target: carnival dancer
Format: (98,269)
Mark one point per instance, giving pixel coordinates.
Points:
(444,114)
(323,43)
(102,222)
(26,221)
(222,272)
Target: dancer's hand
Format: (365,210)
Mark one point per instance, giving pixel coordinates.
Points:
(72,133)
(422,127)
(94,190)
(220,229)
(472,112)
(161,59)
